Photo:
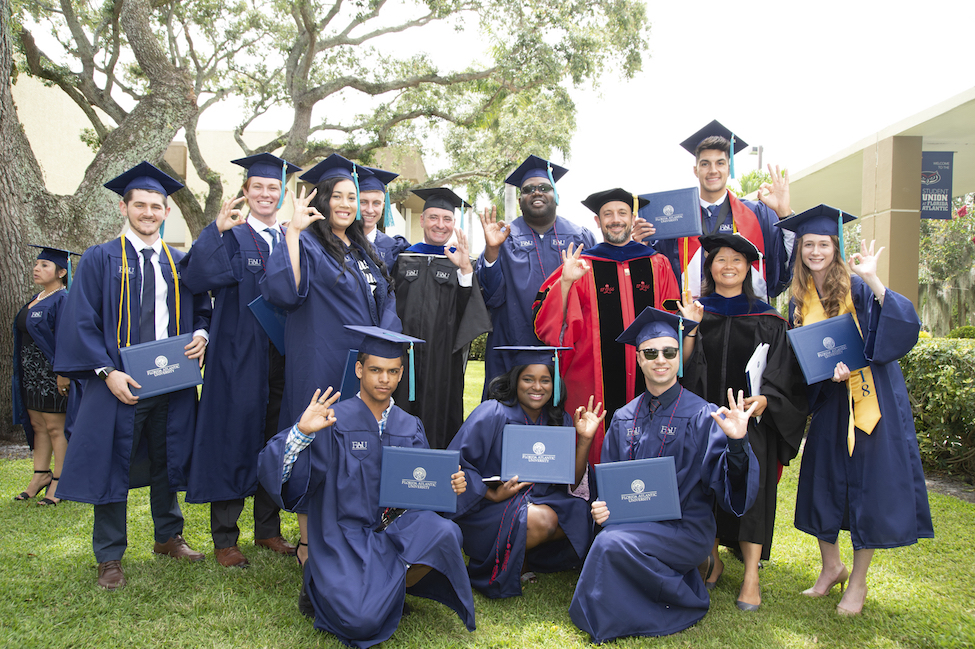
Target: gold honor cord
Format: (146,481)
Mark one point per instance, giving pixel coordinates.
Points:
(125,290)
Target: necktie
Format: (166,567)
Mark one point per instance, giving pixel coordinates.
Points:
(713,211)
(653,405)
(275,238)
(147,318)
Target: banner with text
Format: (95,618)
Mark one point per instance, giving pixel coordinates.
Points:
(936,184)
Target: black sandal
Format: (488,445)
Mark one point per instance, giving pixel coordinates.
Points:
(23,495)
(45,501)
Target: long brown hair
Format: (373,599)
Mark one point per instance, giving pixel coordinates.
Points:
(835,287)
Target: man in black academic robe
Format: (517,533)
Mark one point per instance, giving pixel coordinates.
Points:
(438,299)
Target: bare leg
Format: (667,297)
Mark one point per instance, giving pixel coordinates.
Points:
(55,431)
(543,526)
(415,573)
(852,602)
(833,571)
(751,554)
(42,452)
(302,538)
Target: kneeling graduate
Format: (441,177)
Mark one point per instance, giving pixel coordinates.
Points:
(362,559)
(642,579)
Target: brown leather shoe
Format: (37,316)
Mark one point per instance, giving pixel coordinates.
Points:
(177,548)
(278,544)
(231,557)
(110,575)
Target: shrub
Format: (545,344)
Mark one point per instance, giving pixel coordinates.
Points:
(940,376)
(968,331)
(478,345)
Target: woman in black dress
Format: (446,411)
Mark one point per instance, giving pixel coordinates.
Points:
(41,397)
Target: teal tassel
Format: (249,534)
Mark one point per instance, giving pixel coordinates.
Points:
(284,177)
(412,376)
(551,179)
(731,154)
(558,380)
(680,347)
(840,231)
(68,287)
(358,203)
(388,212)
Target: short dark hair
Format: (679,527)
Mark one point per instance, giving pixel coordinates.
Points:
(127,198)
(361,357)
(713,142)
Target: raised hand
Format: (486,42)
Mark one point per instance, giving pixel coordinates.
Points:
(460,256)
(229,214)
(495,232)
(692,310)
(864,264)
(587,419)
(734,420)
(574,267)
(776,194)
(319,413)
(305,213)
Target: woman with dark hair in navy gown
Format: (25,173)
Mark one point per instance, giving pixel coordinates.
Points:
(867,477)
(515,526)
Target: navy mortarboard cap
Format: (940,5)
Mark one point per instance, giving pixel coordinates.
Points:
(144,176)
(335,166)
(822,219)
(596,201)
(58,257)
(538,355)
(654,323)
(735,241)
(715,128)
(387,344)
(379,182)
(268,165)
(535,167)
(441,198)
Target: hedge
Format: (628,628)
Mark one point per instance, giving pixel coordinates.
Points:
(940,376)
(478,346)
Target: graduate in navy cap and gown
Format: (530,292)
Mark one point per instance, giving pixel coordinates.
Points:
(376,207)
(514,528)
(593,296)
(714,148)
(518,256)
(241,399)
(642,579)
(862,475)
(734,326)
(438,298)
(362,559)
(41,399)
(128,291)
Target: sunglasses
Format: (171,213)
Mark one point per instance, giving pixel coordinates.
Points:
(650,354)
(528,190)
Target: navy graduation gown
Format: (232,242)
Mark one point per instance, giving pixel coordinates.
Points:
(230,422)
(512,282)
(388,248)
(495,534)
(730,331)
(641,579)
(101,465)
(434,307)
(316,341)
(879,493)
(354,575)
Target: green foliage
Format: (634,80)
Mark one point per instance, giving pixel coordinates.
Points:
(946,248)
(968,331)
(940,376)
(747,183)
(477,348)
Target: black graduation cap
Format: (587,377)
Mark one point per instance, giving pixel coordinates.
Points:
(266,165)
(144,176)
(822,219)
(654,323)
(735,241)
(442,198)
(712,129)
(388,344)
(538,355)
(60,258)
(596,201)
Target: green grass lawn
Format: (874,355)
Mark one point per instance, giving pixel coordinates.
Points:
(921,596)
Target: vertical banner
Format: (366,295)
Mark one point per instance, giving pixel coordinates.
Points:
(936,184)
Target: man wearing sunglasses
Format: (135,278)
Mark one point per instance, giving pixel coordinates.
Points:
(642,579)
(519,256)
(593,297)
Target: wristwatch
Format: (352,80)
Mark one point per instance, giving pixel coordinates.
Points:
(103,372)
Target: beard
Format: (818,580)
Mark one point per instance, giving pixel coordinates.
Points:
(619,239)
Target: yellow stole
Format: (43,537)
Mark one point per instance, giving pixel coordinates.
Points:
(862,395)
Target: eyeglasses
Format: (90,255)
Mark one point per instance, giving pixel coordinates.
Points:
(650,353)
(528,190)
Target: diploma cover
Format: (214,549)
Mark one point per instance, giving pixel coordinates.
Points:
(539,453)
(674,214)
(637,491)
(418,478)
(161,366)
(272,319)
(821,345)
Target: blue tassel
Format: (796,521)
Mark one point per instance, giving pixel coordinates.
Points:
(284,177)
(358,202)
(839,228)
(558,380)
(68,287)
(388,213)
(680,347)
(412,376)
(731,154)
(551,179)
